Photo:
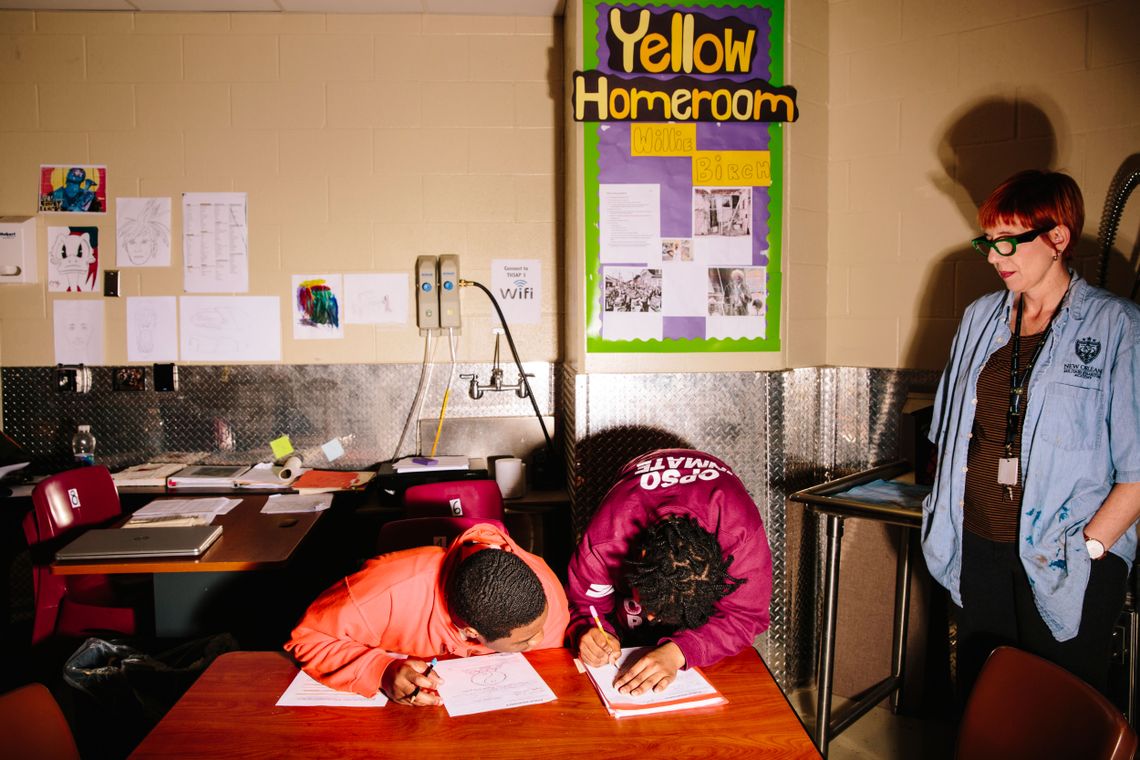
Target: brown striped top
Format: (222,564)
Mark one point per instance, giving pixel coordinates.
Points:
(987,511)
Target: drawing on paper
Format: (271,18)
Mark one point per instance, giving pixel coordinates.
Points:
(74,189)
(143,232)
(632,289)
(78,331)
(317,306)
(73,259)
(490,675)
(737,292)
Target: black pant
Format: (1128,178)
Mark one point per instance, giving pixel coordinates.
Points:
(997,608)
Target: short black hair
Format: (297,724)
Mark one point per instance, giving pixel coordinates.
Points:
(495,592)
(679,572)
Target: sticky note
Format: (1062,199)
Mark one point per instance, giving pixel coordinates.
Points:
(282,447)
(333,450)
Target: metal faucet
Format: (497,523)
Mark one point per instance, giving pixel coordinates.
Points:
(475,390)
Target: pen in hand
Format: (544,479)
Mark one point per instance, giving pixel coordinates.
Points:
(416,691)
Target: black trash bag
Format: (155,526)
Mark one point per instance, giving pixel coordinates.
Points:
(125,691)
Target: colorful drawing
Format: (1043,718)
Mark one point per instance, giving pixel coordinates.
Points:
(74,189)
(73,259)
(316,306)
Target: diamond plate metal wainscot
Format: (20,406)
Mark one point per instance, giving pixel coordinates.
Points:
(232,412)
(781,431)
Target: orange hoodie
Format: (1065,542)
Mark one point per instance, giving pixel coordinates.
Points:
(396,603)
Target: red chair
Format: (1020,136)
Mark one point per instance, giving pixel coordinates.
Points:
(72,605)
(455,498)
(427,531)
(1023,706)
(33,725)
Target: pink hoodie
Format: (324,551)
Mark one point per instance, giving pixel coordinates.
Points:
(395,604)
(666,483)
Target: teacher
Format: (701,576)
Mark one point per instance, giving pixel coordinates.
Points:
(1031,521)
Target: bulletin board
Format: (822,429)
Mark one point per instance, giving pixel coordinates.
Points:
(683,111)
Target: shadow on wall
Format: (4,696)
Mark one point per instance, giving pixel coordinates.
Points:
(983,144)
(600,457)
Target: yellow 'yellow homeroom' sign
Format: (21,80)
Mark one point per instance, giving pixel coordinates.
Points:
(687,45)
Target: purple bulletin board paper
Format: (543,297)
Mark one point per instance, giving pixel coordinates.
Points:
(608,161)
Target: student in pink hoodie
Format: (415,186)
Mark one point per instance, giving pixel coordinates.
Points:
(675,558)
(482,594)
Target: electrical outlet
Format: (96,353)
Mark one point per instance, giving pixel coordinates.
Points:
(111,283)
(449,291)
(427,299)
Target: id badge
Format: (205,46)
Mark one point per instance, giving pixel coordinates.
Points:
(1007,471)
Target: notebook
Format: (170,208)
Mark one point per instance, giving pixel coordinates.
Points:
(115,543)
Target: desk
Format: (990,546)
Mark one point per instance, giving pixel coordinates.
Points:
(229,713)
(188,592)
(835,509)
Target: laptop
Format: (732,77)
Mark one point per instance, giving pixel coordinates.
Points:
(141,543)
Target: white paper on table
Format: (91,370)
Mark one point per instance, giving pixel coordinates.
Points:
(230,328)
(376,299)
(517,285)
(142,232)
(78,331)
(215,243)
(629,223)
(219,505)
(305,691)
(152,329)
(283,503)
(490,682)
(688,683)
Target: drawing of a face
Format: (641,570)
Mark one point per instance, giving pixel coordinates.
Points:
(140,248)
(77,335)
(73,257)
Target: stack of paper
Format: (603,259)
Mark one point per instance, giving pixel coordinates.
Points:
(164,510)
(490,682)
(431,464)
(285,503)
(147,474)
(206,476)
(324,481)
(689,690)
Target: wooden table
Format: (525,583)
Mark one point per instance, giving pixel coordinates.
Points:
(187,591)
(230,713)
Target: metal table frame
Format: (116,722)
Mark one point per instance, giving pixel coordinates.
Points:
(835,510)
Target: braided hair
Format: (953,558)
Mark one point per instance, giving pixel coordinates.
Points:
(679,572)
(495,592)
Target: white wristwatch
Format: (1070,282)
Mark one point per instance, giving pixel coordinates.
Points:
(1095,548)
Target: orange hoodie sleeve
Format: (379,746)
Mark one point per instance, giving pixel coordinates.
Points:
(339,645)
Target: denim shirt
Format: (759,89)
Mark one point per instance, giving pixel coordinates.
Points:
(1081,435)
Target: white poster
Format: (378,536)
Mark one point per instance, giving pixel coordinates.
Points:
(376,299)
(230,328)
(629,222)
(78,331)
(142,232)
(152,329)
(517,285)
(215,243)
(317,300)
(73,259)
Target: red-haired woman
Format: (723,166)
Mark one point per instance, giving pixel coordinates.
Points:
(1031,523)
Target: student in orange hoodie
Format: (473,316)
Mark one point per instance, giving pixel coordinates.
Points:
(482,594)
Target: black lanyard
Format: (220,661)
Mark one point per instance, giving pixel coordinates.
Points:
(1017,383)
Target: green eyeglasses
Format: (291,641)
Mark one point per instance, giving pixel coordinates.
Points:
(1006,246)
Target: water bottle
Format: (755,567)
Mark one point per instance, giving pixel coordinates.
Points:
(83,446)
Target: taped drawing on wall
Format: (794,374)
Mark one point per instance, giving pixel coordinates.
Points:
(73,259)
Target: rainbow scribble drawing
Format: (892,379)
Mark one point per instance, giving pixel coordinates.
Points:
(317,304)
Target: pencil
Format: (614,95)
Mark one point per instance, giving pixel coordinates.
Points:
(597,620)
(430,668)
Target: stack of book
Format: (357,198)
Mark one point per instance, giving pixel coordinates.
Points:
(689,690)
